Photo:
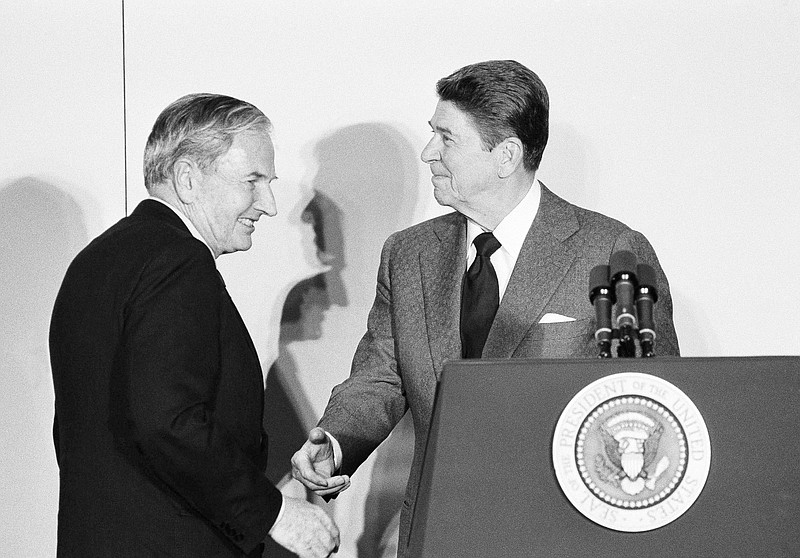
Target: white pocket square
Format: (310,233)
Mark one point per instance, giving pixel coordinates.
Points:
(551,318)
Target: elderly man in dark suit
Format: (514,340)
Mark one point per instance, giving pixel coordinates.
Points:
(159,391)
(504,276)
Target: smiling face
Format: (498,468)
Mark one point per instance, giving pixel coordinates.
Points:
(234,192)
(464,172)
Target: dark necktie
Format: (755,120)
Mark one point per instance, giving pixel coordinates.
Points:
(480,297)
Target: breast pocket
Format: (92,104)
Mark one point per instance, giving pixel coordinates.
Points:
(558,340)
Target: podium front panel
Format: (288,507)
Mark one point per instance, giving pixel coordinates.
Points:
(489,487)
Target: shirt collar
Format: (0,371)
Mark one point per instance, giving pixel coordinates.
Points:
(513,229)
(186,221)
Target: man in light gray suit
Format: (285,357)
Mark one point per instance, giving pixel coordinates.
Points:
(489,129)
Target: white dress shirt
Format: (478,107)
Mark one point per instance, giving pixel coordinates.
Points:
(511,233)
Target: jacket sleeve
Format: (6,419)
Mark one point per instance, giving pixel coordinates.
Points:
(364,409)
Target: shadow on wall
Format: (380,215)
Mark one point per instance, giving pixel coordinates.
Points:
(367,179)
(41,229)
(366,187)
(288,414)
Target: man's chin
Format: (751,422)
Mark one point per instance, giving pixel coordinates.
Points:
(442,199)
(244,243)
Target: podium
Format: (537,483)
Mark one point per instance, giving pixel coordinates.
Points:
(489,486)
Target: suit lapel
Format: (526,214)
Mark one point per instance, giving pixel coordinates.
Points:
(442,263)
(541,266)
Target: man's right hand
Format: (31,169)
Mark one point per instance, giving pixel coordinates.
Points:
(313,465)
(305,529)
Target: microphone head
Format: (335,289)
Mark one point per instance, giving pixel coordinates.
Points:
(598,279)
(647,278)
(622,262)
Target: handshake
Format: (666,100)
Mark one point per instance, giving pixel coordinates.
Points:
(304,528)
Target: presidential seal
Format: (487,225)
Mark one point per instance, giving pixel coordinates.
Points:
(631,452)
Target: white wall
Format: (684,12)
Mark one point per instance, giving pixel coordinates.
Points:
(679,118)
(61,183)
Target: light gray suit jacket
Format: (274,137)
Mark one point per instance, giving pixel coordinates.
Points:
(413,326)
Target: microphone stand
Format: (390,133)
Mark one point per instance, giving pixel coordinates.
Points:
(622,268)
(617,284)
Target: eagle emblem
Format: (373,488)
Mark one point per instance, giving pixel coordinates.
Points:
(631,443)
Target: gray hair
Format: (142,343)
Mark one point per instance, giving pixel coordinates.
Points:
(200,127)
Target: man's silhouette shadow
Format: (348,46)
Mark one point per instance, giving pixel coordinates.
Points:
(366,187)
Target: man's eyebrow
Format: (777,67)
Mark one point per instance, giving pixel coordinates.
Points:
(440,128)
(260,175)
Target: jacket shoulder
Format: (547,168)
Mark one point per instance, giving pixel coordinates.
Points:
(420,233)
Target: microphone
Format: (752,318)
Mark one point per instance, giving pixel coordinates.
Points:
(602,299)
(646,296)
(623,277)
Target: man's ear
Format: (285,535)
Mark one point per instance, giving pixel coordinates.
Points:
(511,153)
(185,177)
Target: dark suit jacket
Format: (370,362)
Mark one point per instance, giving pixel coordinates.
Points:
(158,401)
(413,326)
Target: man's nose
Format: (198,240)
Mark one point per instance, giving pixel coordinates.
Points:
(431,152)
(265,201)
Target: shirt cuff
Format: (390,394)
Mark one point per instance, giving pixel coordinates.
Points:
(337,451)
(280,513)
